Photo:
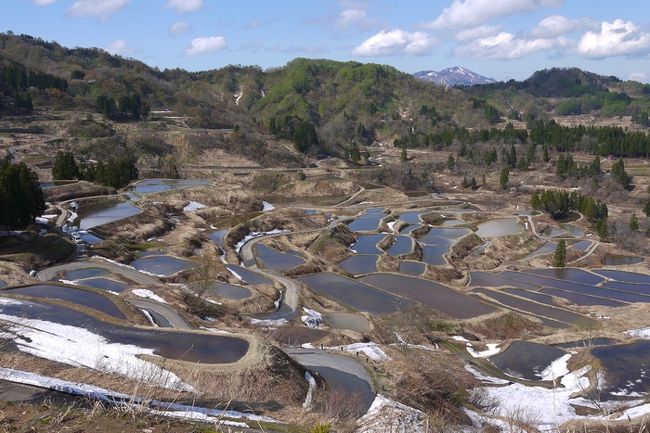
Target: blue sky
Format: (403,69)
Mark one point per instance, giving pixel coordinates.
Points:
(498,38)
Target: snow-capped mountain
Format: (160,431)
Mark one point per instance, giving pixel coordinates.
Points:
(456,76)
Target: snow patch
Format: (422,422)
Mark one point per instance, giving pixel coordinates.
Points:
(492,349)
(253,235)
(639,333)
(81,348)
(193,206)
(557,369)
(267,207)
(371,350)
(312,318)
(386,415)
(310,391)
(146,293)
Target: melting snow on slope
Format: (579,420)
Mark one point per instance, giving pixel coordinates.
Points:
(386,415)
(267,207)
(193,206)
(146,293)
(312,318)
(81,348)
(492,349)
(639,333)
(253,235)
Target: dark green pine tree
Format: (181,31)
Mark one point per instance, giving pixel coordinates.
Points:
(20,194)
(559,258)
(65,167)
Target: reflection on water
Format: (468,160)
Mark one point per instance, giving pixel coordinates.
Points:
(525,359)
(159,185)
(187,346)
(277,260)
(73,295)
(162,265)
(619,259)
(402,245)
(354,294)
(367,244)
(412,268)
(105,212)
(104,284)
(222,290)
(627,367)
(499,227)
(360,264)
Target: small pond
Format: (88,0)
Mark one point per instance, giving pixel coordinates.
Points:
(218,236)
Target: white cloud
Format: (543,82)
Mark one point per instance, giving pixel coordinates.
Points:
(355,17)
(472,13)
(44,2)
(618,38)
(185,5)
(396,41)
(506,46)
(103,9)
(119,47)
(638,76)
(179,28)
(557,25)
(477,32)
(205,44)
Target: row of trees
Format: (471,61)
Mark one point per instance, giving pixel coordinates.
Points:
(15,79)
(129,107)
(117,172)
(560,203)
(20,195)
(598,140)
(567,167)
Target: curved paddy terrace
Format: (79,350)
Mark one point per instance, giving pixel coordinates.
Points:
(174,345)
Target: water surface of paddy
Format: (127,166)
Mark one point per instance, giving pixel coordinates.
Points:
(367,244)
(412,267)
(628,277)
(249,277)
(434,295)
(402,245)
(78,274)
(626,366)
(360,264)
(620,259)
(159,185)
(105,212)
(186,346)
(104,284)
(223,290)
(569,274)
(354,293)
(277,260)
(162,265)
(525,359)
(499,227)
(74,295)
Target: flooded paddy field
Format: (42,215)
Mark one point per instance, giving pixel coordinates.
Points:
(97,214)
(627,368)
(360,264)
(151,186)
(249,277)
(429,293)
(526,360)
(354,294)
(74,295)
(223,290)
(164,266)
(499,227)
(185,346)
(412,268)
(367,244)
(104,284)
(277,260)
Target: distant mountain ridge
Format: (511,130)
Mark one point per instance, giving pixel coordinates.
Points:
(454,76)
